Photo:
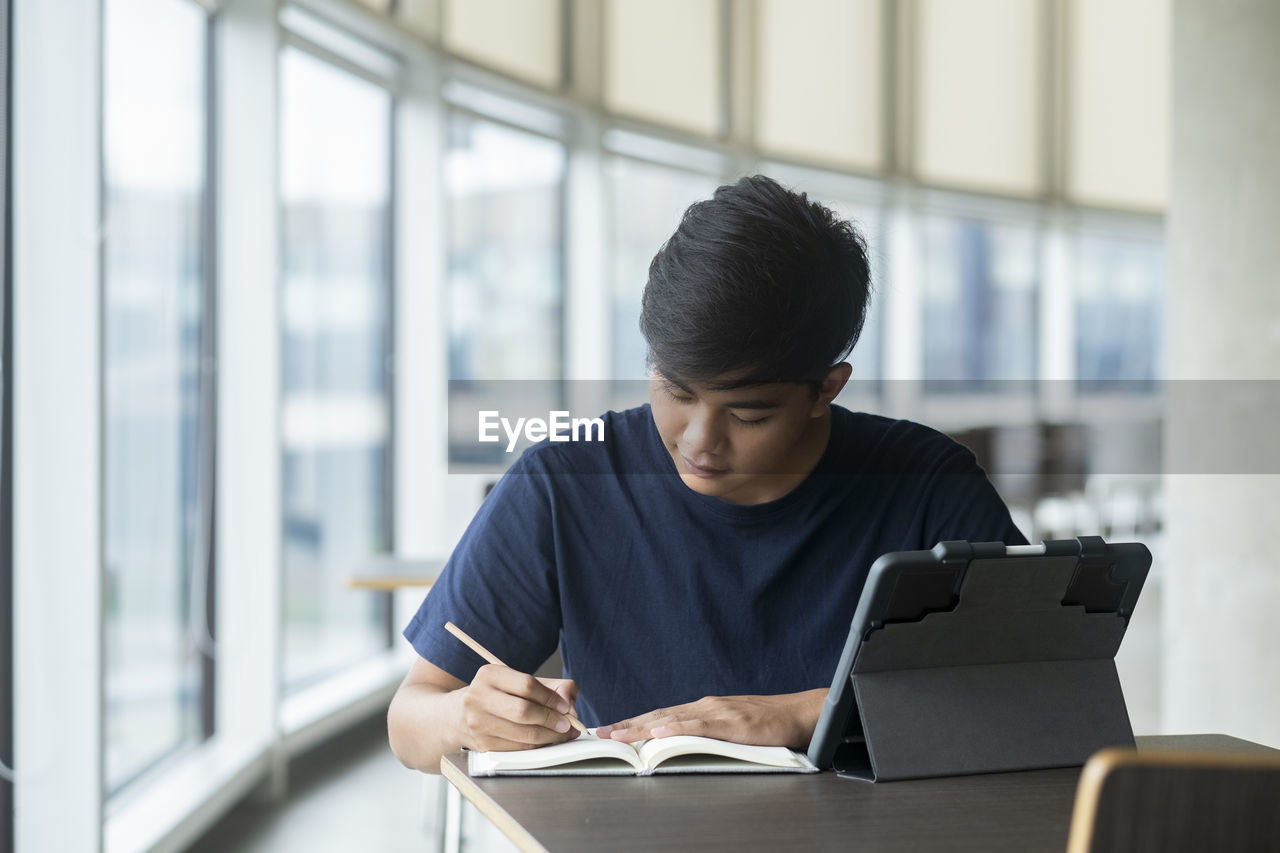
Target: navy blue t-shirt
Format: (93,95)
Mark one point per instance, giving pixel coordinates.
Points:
(658,595)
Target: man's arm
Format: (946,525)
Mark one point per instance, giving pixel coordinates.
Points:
(434,714)
(783,720)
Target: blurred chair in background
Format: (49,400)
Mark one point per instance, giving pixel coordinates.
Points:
(1061,480)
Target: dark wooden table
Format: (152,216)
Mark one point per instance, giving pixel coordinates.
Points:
(1022,812)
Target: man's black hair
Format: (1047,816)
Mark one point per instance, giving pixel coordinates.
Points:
(759,284)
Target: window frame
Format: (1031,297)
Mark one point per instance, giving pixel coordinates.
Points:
(7,790)
(56,492)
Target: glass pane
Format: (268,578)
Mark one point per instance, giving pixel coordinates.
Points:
(1118,89)
(521,37)
(978,67)
(646,202)
(980,304)
(153,292)
(335,156)
(819,81)
(505,203)
(662,62)
(1118,311)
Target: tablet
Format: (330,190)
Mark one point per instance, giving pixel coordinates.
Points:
(973,657)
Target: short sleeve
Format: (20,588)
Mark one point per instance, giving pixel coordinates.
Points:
(964,505)
(500,584)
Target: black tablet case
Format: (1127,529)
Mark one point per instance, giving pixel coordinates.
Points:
(1010,666)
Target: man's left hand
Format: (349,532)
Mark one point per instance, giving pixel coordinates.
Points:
(783,720)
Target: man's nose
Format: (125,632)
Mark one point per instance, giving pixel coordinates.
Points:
(704,433)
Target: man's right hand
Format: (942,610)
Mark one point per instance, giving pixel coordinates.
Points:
(505,710)
(433,713)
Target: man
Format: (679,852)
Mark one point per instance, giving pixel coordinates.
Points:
(698,568)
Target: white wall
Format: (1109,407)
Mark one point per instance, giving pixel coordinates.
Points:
(1222,588)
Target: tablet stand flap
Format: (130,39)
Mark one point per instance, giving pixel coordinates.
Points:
(984,719)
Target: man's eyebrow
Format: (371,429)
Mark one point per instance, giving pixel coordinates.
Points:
(745,403)
(676,382)
(751,404)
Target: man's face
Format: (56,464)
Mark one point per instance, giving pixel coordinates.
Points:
(745,445)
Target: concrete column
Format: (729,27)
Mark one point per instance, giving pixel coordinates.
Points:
(1221,666)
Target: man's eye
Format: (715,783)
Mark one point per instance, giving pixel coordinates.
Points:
(674,394)
(750,421)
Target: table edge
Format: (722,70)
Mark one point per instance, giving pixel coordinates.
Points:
(509,826)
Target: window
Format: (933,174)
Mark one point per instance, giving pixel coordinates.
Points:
(980,304)
(647,201)
(1118,311)
(663,62)
(978,105)
(154,441)
(1118,92)
(819,80)
(336,418)
(505,213)
(520,37)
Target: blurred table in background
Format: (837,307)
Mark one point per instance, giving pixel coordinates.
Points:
(388,573)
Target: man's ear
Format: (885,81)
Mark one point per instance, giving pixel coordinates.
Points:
(832,384)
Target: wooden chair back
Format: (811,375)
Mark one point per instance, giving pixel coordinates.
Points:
(1138,801)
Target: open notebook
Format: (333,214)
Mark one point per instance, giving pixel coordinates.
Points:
(592,756)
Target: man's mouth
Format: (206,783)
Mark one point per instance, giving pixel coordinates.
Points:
(701,472)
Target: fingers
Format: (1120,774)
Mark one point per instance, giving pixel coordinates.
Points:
(526,687)
(718,717)
(566,687)
(504,710)
(614,730)
(778,720)
(641,727)
(493,743)
(491,733)
(627,734)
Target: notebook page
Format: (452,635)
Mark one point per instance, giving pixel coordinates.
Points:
(655,752)
(601,753)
